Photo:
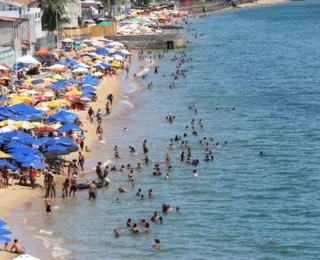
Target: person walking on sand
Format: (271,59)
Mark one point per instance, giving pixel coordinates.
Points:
(107,109)
(81,160)
(91,114)
(110,98)
(99,116)
(93,191)
(99,132)
(48,206)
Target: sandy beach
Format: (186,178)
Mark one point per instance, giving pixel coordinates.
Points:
(12,198)
(260,3)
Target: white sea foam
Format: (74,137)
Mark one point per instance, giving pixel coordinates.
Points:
(107,162)
(46,232)
(24,221)
(56,207)
(54,244)
(127,102)
(60,252)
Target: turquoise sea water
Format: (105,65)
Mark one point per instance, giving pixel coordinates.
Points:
(264,62)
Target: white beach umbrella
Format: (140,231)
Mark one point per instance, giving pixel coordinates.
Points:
(4,68)
(80,70)
(116,43)
(68,40)
(26,257)
(117,57)
(57,66)
(28,60)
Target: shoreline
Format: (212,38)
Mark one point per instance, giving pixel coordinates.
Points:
(27,199)
(259,3)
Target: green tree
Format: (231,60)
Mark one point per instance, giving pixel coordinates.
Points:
(53,11)
(143,3)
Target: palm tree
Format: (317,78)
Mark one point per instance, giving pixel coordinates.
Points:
(53,14)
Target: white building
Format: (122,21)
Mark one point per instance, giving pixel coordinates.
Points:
(30,31)
(73,11)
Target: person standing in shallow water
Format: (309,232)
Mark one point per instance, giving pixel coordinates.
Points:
(93,191)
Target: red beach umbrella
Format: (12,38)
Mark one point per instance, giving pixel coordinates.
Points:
(42,98)
(47,129)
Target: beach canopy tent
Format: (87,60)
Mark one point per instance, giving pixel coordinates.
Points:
(43,52)
(26,257)
(4,240)
(9,165)
(27,59)
(69,127)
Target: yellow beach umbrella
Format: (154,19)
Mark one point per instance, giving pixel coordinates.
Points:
(24,125)
(57,76)
(4,155)
(7,122)
(116,64)
(56,126)
(8,128)
(74,92)
(54,104)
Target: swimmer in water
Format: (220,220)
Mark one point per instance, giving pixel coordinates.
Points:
(195,174)
(125,129)
(261,153)
(157,243)
(272,240)
(117,200)
(116,233)
(167,177)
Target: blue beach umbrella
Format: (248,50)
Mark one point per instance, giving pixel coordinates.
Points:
(15,135)
(4,240)
(73,81)
(24,150)
(45,141)
(4,231)
(2,223)
(119,53)
(88,89)
(9,165)
(23,108)
(69,127)
(56,150)
(4,99)
(36,165)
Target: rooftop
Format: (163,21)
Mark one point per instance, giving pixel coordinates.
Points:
(10,19)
